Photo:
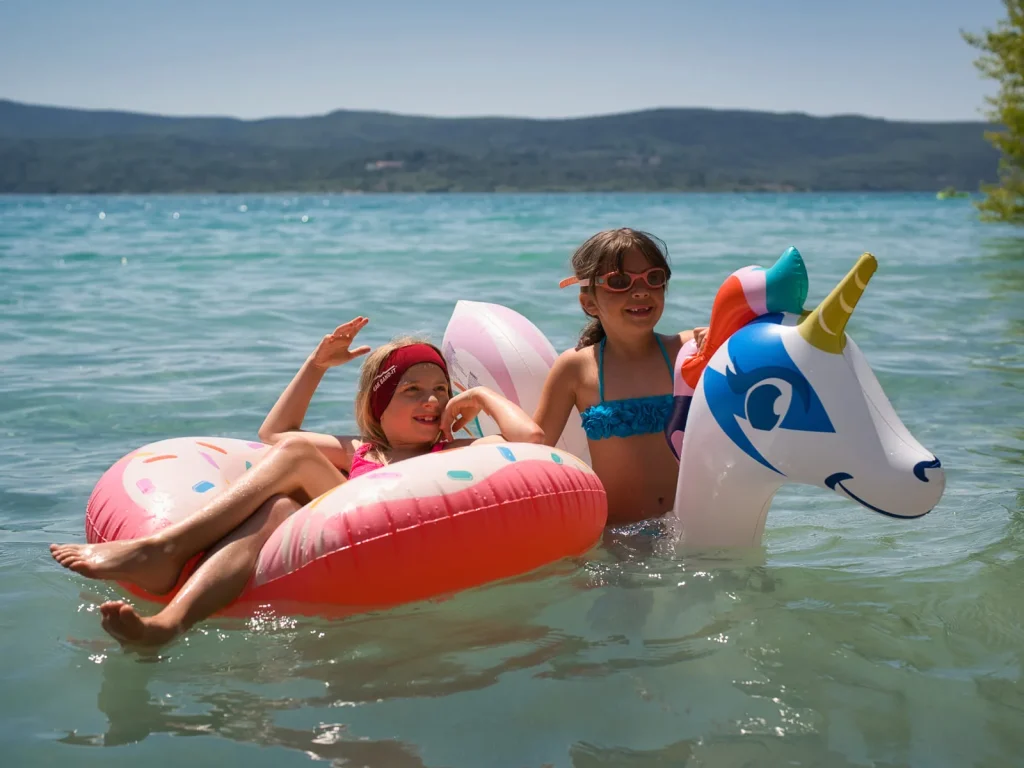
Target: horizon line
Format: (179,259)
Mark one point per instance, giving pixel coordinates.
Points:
(566,118)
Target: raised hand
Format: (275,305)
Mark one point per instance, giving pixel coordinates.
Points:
(461,410)
(336,348)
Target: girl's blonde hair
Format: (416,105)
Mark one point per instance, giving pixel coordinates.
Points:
(604,252)
(370,430)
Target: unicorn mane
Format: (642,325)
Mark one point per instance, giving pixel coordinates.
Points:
(747,294)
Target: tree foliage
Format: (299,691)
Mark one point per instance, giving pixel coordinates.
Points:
(1002,60)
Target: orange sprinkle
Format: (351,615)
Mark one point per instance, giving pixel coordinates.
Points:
(212,447)
(313,504)
(159,458)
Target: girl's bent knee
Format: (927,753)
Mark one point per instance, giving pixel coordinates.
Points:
(282,502)
(281,507)
(296,447)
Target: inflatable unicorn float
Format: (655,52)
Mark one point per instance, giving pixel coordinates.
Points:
(776,395)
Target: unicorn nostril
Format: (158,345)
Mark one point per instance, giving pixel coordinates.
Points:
(921,466)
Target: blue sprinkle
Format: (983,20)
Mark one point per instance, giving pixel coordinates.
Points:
(507,453)
(460,474)
(556,458)
(202,486)
(248,465)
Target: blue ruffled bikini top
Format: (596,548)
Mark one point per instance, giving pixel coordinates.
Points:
(629,416)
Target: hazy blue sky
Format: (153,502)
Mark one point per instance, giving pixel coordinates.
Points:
(543,58)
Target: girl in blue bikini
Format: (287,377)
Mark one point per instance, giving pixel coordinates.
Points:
(619,376)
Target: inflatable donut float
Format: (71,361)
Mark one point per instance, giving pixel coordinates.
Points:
(418,529)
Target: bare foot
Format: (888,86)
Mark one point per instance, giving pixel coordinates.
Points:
(126,626)
(150,565)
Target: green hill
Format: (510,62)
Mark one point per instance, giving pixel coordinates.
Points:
(55,150)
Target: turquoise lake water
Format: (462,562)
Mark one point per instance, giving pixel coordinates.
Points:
(860,640)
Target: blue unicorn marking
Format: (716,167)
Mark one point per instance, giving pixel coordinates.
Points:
(752,386)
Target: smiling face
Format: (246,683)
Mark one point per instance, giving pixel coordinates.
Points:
(413,416)
(629,312)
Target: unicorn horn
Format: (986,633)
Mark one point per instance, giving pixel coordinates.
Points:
(824,328)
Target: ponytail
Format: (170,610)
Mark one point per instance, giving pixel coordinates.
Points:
(591,334)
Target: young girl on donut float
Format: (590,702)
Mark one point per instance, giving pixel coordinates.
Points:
(404,409)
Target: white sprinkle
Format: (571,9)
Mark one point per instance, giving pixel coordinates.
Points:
(305,219)
(243,208)
(102,215)
(176,215)
(124,260)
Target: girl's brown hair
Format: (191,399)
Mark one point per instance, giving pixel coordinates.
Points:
(370,430)
(603,253)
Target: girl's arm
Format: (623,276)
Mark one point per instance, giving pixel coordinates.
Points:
(286,417)
(515,424)
(558,397)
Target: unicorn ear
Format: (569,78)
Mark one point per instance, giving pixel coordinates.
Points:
(785,283)
(825,327)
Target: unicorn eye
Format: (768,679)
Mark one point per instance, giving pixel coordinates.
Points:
(762,391)
(767,403)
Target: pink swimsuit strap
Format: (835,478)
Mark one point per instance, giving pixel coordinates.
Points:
(361,465)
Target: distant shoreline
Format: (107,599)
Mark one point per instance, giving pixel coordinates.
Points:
(52,150)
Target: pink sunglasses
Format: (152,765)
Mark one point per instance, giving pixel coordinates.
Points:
(619,282)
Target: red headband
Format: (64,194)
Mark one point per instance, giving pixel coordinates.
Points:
(397,363)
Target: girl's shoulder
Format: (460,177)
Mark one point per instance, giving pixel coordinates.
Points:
(575,365)
(574,358)
(674,341)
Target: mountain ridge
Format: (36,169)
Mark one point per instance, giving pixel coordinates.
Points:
(47,149)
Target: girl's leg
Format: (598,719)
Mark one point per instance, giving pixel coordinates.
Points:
(293,467)
(219,578)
